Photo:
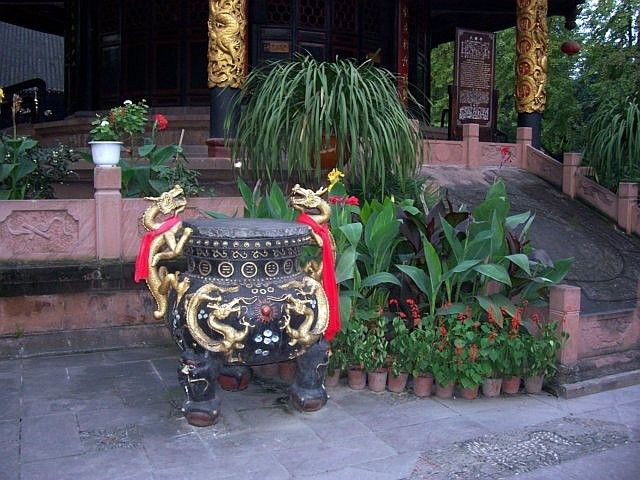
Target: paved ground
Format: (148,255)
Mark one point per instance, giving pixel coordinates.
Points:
(115,416)
(607,261)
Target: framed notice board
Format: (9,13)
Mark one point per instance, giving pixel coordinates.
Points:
(473,98)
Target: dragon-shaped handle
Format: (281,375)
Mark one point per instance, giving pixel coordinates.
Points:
(312,204)
(164,240)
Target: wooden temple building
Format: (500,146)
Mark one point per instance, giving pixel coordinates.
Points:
(193,54)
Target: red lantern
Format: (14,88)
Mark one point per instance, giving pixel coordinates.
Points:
(570,47)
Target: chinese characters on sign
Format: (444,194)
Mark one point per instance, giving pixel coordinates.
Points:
(474,72)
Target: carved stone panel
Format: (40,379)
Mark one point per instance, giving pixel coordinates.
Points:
(39,231)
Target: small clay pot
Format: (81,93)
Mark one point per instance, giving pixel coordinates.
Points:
(356,378)
(287,371)
(444,391)
(511,385)
(422,385)
(397,384)
(469,393)
(491,387)
(331,381)
(533,384)
(377,380)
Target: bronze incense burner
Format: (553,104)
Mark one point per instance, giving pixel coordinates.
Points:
(244,300)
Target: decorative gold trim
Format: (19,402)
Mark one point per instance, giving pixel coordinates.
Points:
(312,293)
(165,247)
(532,43)
(218,312)
(227,53)
(307,200)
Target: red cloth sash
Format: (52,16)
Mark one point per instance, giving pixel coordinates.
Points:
(142,262)
(328,275)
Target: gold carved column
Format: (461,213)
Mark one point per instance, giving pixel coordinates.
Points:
(532,44)
(227,64)
(227,53)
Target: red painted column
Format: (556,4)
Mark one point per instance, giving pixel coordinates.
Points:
(403,48)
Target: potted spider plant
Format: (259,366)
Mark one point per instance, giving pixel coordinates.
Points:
(288,112)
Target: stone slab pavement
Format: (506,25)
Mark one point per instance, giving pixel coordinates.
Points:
(115,415)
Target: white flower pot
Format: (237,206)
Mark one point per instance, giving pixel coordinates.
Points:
(105,153)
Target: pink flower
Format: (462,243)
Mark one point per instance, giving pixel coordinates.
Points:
(161,121)
(352,201)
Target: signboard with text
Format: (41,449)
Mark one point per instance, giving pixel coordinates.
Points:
(473,88)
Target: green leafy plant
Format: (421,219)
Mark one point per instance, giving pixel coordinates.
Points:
(288,111)
(542,348)
(375,343)
(469,368)
(353,334)
(514,350)
(155,170)
(120,122)
(492,349)
(16,167)
(29,171)
(423,337)
(482,252)
(401,348)
(152,169)
(442,365)
(613,143)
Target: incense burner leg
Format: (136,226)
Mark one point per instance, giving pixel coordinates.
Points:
(308,392)
(197,375)
(234,377)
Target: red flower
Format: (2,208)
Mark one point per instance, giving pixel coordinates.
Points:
(443,331)
(393,301)
(492,336)
(161,121)
(335,200)
(462,317)
(515,321)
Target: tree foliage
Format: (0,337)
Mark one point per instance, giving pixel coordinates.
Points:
(580,88)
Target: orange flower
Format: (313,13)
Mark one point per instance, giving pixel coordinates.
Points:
(473,352)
